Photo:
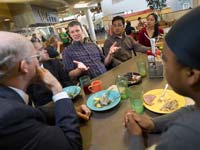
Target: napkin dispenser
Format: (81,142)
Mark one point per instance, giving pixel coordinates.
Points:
(155,67)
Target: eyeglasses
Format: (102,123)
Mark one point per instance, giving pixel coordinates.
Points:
(38,56)
(41,48)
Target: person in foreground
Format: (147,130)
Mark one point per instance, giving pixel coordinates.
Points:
(83,57)
(21,125)
(126,43)
(181,129)
(40,94)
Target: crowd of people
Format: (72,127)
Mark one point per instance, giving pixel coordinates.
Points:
(35,112)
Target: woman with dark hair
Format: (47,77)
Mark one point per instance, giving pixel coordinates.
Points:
(53,46)
(152,30)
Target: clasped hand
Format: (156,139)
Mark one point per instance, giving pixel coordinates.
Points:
(137,123)
(83,112)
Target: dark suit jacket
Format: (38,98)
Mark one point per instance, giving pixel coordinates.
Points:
(23,127)
(38,93)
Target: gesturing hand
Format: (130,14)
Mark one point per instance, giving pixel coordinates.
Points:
(81,65)
(113,48)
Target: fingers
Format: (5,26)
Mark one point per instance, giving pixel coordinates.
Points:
(130,112)
(83,116)
(87,68)
(86,110)
(41,71)
(76,62)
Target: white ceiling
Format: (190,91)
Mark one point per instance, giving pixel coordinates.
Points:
(63,6)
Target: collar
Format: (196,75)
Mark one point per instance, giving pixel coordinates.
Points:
(80,42)
(23,95)
(119,37)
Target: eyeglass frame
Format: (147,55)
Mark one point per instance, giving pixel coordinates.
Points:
(38,56)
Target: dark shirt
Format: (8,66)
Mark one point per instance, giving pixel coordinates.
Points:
(180,130)
(39,93)
(52,51)
(129,30)
(87,53)
(127,44)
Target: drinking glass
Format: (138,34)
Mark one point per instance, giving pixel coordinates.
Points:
(136,99)
(85,83)
(122,85)
(141,66)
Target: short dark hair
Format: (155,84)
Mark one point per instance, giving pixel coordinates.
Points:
(139,18)
(118,18)
(74,23)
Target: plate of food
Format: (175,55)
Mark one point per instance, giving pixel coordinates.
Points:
(72,91)
(103,100)
(170,102)
(133,78)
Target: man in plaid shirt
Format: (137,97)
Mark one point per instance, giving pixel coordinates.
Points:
(84,57)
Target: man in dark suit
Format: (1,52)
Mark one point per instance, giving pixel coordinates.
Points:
(41,95)
(21,125)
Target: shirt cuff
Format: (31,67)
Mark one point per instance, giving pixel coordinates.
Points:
(60,96)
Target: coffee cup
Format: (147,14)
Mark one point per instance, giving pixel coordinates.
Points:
(95,86)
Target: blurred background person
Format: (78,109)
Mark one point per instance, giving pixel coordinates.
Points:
(152,30)
(35,38)
(64,37)
(129,29)
(141,24)
(53,46)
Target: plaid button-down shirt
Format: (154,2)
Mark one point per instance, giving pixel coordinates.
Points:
(87,53)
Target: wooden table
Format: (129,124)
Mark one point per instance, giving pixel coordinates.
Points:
(105,130)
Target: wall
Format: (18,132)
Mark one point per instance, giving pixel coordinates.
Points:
(4,13)
(174,15)
(22,14)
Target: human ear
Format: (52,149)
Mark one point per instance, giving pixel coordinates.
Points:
(23,66)
(193,76)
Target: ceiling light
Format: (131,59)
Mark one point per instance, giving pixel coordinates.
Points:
(84,5)
(7,19)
